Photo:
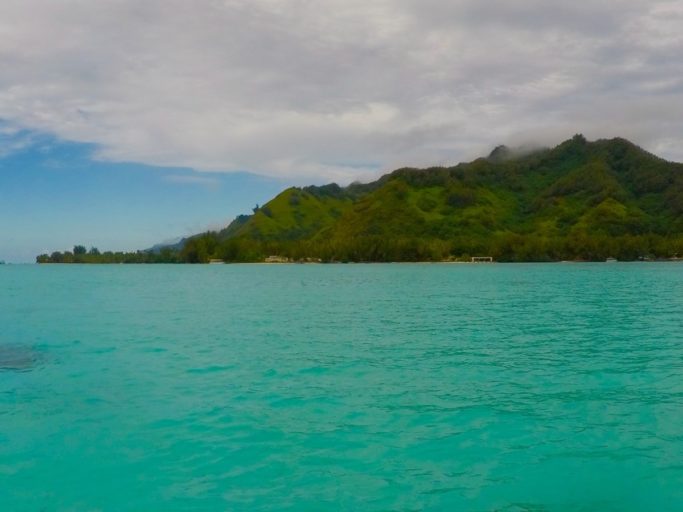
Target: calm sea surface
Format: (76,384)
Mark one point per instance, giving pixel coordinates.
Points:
(512,388)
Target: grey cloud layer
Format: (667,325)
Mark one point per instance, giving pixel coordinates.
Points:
(337,89)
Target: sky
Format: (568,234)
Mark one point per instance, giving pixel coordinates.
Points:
(126,123)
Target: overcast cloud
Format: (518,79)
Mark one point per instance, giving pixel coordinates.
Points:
(339,89)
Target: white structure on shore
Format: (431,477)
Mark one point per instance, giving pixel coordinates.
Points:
(276,259)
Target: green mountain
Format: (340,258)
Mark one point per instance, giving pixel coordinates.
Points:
(578,201)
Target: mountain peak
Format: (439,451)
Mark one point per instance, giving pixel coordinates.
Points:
(500,153)
(579,139)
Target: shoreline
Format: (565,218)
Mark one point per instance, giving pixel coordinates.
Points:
(424,262)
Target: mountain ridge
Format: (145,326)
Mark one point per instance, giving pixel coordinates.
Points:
(600,193)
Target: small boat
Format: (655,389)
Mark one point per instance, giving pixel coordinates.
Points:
(611,260)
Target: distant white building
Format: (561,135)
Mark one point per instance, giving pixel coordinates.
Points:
(276,259)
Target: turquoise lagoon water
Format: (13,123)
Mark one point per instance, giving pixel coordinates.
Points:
(342,387)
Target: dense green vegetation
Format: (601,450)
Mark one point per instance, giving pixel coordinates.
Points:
(578,201)
(81,255)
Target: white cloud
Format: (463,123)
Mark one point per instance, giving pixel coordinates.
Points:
(338,89)
(12,140)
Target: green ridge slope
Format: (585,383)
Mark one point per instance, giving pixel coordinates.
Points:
(579,200)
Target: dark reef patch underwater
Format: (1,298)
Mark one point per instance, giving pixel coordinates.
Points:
(18,357)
